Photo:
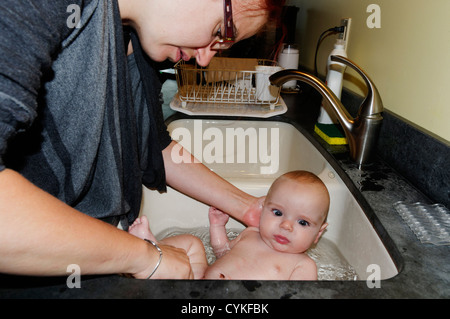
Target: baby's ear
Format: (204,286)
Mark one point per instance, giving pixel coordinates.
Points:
(321,230)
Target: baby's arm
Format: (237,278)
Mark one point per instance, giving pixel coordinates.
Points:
(305,270)
(218,234)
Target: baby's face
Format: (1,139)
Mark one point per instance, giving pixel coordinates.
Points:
(293,216)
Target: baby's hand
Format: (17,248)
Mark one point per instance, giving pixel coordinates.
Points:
(217,217)
(218,235)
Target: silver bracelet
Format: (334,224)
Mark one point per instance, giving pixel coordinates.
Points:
(160,256)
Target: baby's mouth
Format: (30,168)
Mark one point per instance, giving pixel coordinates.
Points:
(281,240)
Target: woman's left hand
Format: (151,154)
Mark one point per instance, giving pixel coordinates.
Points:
(252,215)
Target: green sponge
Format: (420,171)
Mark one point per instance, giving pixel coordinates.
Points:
(331,133)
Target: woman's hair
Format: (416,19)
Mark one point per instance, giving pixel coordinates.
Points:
(274,11)
(274,8)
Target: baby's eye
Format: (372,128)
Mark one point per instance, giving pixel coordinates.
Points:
(277,212)
(303,222)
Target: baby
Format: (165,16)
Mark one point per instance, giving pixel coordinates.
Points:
(293,218)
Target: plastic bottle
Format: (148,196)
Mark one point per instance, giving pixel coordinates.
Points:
(335,75)
(288,59)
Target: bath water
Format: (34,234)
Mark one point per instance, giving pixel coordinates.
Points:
(331,265)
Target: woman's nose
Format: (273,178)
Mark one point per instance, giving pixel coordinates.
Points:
(204,56)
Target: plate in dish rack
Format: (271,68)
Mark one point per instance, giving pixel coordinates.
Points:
(225,109)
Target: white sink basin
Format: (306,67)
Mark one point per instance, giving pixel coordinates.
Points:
(276,148)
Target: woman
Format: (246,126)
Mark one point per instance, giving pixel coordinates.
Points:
(80,133)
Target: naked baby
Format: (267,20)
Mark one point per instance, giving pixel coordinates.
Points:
(293,218)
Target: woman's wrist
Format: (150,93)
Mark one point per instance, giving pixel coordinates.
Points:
(144,259)
(160,256)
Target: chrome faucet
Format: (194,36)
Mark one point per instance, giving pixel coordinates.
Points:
(361,132)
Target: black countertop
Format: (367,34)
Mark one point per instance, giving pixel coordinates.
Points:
(424,269)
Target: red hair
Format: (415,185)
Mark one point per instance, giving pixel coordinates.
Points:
(274,8)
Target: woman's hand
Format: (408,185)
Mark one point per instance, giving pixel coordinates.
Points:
(253,213)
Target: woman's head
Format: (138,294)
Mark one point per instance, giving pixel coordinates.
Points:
(185,29)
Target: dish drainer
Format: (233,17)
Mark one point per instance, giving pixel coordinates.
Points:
(230,83)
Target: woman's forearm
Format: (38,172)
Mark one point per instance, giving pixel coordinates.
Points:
(40,235)
(196,180)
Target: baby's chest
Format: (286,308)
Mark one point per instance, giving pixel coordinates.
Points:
(265,264)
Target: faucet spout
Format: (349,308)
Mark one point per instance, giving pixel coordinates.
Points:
(363,130)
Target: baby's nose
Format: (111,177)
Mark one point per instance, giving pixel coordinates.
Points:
(287,225)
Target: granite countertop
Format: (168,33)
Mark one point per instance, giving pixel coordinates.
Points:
(424,269)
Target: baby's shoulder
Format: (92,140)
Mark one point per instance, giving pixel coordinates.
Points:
(305,268)
(247,235)
(249,231)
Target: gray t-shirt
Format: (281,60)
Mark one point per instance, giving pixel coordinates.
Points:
(68,119)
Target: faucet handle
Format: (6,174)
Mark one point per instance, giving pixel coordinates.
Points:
(372,104)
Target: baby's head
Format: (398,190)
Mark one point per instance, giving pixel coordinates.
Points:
(295,212)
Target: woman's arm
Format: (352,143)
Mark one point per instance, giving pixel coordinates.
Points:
(196,180)
(40,235)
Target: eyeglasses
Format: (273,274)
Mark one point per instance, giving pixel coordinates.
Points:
(225,42)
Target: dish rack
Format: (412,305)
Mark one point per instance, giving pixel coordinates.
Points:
(224,83)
